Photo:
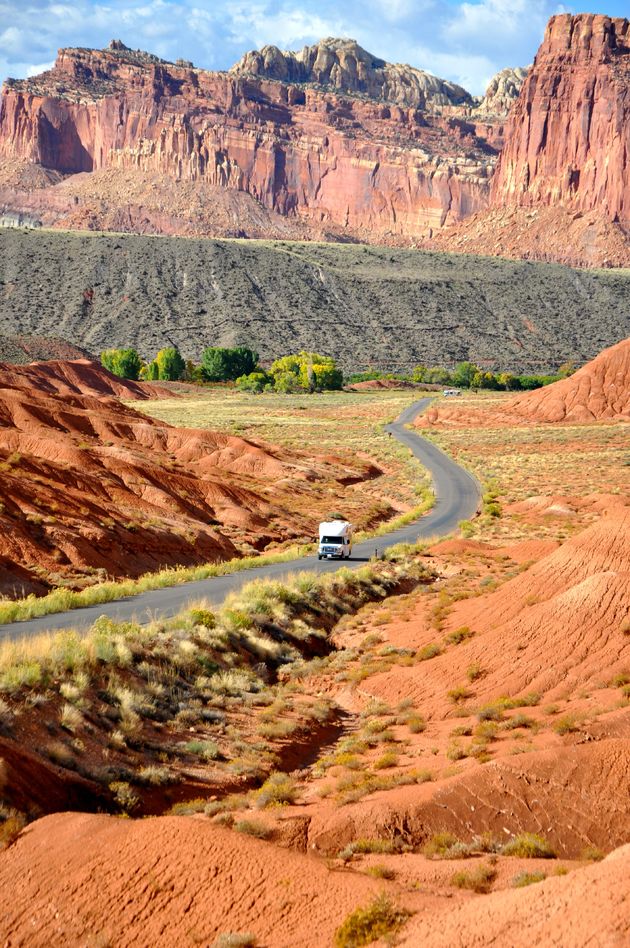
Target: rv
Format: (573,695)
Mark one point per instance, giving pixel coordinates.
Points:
(335,540)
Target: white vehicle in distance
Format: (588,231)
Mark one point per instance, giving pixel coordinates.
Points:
(335,540)
(450,391)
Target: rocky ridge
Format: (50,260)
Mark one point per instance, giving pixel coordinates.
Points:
(343,65)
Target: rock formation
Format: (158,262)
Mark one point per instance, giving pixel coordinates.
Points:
(568,136)
(503,91)
(343,65)
(352,164)
(562,187)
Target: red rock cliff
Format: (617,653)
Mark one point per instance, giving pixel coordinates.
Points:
(568,136)
(364,166)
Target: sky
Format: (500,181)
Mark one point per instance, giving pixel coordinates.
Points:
(467,41)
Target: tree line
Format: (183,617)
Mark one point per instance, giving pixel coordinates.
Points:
(303,372)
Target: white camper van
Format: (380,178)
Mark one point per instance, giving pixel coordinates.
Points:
(335,540)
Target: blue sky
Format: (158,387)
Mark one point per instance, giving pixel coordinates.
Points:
(463,40)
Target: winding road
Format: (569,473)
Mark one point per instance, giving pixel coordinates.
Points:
(457,498)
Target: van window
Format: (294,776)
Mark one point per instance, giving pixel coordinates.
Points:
(331,540)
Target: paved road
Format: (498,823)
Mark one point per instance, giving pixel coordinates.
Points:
(457,498)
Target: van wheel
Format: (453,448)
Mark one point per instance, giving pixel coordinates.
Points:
(319,557)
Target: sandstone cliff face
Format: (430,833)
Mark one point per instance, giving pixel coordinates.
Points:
(345,66)
(365,168)
(568,136)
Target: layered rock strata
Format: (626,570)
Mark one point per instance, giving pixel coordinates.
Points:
(363,167)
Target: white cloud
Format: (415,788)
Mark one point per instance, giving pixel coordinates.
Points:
(464,41)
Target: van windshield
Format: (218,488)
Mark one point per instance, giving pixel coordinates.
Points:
(332,540)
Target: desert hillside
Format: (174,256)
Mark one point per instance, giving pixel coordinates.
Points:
(365,306)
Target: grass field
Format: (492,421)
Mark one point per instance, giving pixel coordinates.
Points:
(570,461)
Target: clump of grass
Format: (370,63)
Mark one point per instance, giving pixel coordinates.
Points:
(253,828)
(490,712)
(235,940)
(203,617)
(458,694)
(155,776)
(428,651)
(388,759)
(458,635)
(592,854)
(380,872)
(70,718)
(416,724)
(365,925)
(518,720)
(479,879)
(277,730)
(474,673)
(209,750)
(361,847)
(439,844)
(527,878)
(567,724)
(455,752)
(278,789)
(12,823)
(124,796)
(529,846)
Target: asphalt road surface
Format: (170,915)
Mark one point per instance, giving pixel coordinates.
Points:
(457,498)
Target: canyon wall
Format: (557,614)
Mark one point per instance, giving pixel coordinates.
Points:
(568,135)
(357,166)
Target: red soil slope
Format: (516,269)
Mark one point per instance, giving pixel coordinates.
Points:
(589,907)
(599,391)
(165,881)
(91,486)
(75,377)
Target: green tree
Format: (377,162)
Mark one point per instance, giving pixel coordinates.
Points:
(226,365)
(126,363)
(438,375)
(463,374)
(420,373)
(170,364)
(150,372)
(254,382)
(306,371)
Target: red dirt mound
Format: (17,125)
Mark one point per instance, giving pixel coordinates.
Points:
(165,881)
(75,377)
(599,391)
(589,907)
(91,486)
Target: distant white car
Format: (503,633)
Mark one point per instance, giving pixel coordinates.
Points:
(451,391)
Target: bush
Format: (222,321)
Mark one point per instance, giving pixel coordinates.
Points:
(126,363)
(254,382)
(439,845)
(11,825)
(365,925)
(428,651)
(458,694)
(529,846)
(459,635)
(477,880)
(277,789)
